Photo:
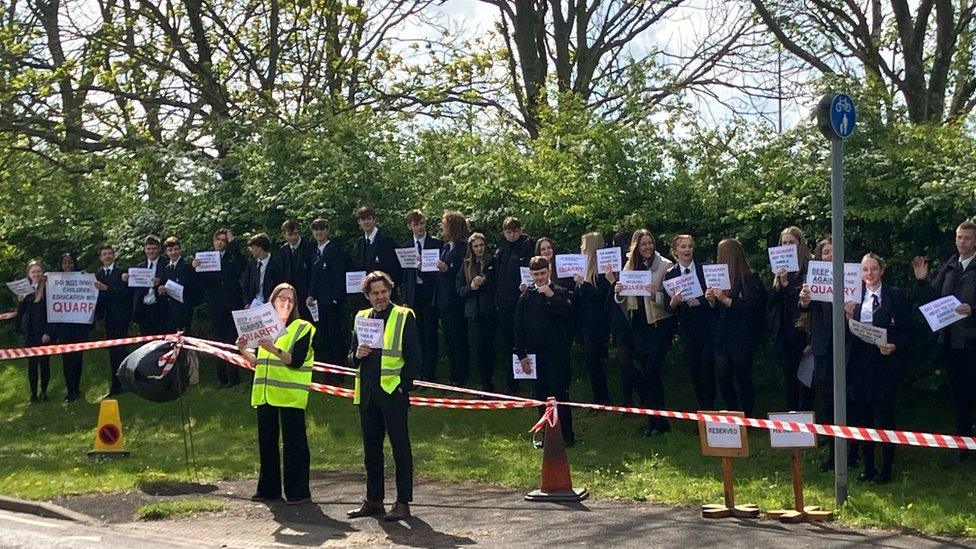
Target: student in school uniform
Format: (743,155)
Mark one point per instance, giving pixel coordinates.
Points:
(263,272)
(375,251)
(546,247)
(695,319)
(651,326)
(789,340)
(874,371)
(592,291)
(450,308)
(513,252)
(732,332)
(420,292)
(620,331)
(32,323)
(176,269)
(63,333)
(327,288)
(149,311)
(475,287)
(222,292)
(114,307)
(296,256)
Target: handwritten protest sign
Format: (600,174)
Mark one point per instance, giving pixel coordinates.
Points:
(428,260)
(141,278)
(21,287)
(688,285)
(175,290)
(570,265)
(634,283)
(354,282)
(369,331)
(608,257)
(408,257)
(717,276)
(71,297)
(258,323)
(784,257)
(941,312)
(525,276)
(313,310)
(207,262)
(868,332)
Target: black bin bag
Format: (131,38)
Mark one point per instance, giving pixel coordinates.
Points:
(142,373)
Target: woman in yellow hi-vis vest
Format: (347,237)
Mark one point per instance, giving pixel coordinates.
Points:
(282,374)
(384,378)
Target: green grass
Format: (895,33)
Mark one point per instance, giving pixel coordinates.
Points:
(168,509)
(42,454)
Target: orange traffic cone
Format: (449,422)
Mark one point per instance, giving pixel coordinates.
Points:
(108,434)
(556,482)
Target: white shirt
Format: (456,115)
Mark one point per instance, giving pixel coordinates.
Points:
(173,262)
(867,304)
(371,236)
(150,297)
(419,240)
(262,267)
(294,247)
(690,268)
(322,247)
(108,268)
(965,262)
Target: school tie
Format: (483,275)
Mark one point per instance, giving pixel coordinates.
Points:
(874,302)
(687,270)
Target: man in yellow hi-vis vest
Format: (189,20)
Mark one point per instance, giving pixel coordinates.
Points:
(383,382)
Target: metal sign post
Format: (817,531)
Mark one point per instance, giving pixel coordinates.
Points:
(836,117)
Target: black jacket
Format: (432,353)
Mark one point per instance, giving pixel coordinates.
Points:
(222,289)
(115,303)
(541,322)
(480,302)
(951,279)
(447,297)
(865,361)
(369,367)
(423,294)
(138,294)
(178,314)
(252,284)
(296,266)
(379,255)
(592,316)
(32,320)
(509,256)
(694,323)
(734,329)
(785,304)
(327,283)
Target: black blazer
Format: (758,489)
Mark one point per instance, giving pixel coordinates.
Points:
(509,257)
(222,289)
(593,319)
(785,303)
(32,320)
(865,362)
(327,283)
(380,255)
(413,293)
(138,294)
(447,297)
(821,330)
(114,304)
(296,266)
(541,322)
(480,302)
(734,329)
(272,277)
(951,279)
(178,314)
(694,323)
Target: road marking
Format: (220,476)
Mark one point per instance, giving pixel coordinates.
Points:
(14,518)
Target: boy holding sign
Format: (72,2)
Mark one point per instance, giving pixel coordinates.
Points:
(175,287)
(420,290)
(149,311)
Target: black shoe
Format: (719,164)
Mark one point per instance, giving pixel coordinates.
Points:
(69,398)
(866,476)
(265,499)
(367,509)
(33,399)
(300,501)
(881,478)
(400,511)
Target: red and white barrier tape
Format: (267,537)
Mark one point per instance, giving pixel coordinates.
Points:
(909,438)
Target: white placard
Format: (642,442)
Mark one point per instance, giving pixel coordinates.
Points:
(609,257)
(634,283)
(525,276)
(369,331)
(313,310)
(207,262)
(941,312)
(21,287)
(688,285)
(570,265)
(717,276)
(429,259)
(784,257)
(354,282)
(408,257)
(779,438)
(141,278)
(258,323)
(175,290)
(820,281)
(71,297)
(868,332)
(517,371)
(723,435)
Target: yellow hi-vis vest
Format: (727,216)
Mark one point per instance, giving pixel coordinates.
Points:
(391,362)
(278,384)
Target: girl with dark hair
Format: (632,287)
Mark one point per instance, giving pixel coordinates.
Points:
(64,332)
(475,286)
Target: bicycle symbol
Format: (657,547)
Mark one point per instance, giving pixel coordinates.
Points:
(843,104)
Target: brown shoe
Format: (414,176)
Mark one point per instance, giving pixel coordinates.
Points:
(368,508)
(400,511)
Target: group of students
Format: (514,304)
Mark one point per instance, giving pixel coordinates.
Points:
(477,295)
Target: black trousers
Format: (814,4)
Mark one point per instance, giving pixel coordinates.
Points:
(152,318)
(429,344)
(116,355)
(222,328)
(595,356)
(700,360)
(482,334)
(290,422)
(961,367)
(72,366)
(736,365)
(455,327)
(552,380)
(630,377)
(381,416)
(798,396)
(506,325)
(38,365)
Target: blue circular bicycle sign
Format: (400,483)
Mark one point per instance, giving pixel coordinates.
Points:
(843,115)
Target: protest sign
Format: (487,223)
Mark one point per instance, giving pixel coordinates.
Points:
(428,260)
(941,312)
(21,287)
(71,297)
(175,290)
(688,285)
(717,276)
(868,332)
(207,262)
(258,323)
(408,257)
(518,372)
(608,257)
(141,278)
(354,282)
(820,281)
(784,257)
(570,265)
(634,283)
(313,310)
(369,331)
(525,276)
